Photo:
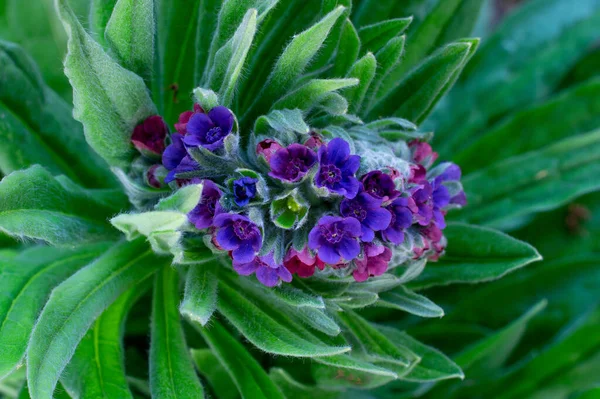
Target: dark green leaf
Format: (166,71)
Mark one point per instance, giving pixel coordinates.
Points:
(374,37)
(293,389)
(347,51)
(404,299)
(305,97)
(363,70)
(100,12)
(214,372)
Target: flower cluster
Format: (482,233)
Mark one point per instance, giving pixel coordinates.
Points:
(306,203)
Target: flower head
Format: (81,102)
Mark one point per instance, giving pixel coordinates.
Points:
(368,211)
(267,148)
(184,118)
(209,130)
(238,234)
(292,163)
(203,214)
(402,210)
(374,263)
(380,185)
(335,239)
(302,263)
(337,168)
(244,189)
(149,136)
(268,272)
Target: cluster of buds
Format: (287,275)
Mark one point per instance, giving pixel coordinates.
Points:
(304,203)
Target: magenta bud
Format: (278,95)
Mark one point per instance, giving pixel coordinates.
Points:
(267,148)
(155,176)
(149,136)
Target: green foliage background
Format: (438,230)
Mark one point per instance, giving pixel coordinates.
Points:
(521,120)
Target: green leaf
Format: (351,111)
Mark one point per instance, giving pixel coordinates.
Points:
(374,37)
(183,200)
(404,299)
(305,97)
(388,58)
(214,372)
(248,375)
(97,369)
(282,121)
(292,63)
(200,297)
(296,390)
(416,94)
(135,224)
(502,77)
(28,278)
(347,51)
(475,254)
(269,329)
(100,13)
(75,304)
(130,33)
(507,191)
(318,319)
(36,205)
(172,373)
(433,366)
(230,59)
(297,297)
(38,126)
(344,371)
(109,100)
(363,70)
(576,110)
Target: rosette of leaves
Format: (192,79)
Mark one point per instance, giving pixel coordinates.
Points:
(81,299)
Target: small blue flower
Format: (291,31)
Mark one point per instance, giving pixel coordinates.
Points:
(209,130)
(176,159)
(335,238)
(268,272)
(238,234)
(337,168)
(368,211)
(244,189)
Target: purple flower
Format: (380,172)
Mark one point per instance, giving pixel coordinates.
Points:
(402,210)
(184,118)
(380,185)
(244,189)
(149,136)
(452,173)
(368,211)
(335,238)
(267,148)
(267,271)
(422,195)
(374,263)
(238,234)
(203,214)
(337,168)
(176,159)
(441,199)
(209,130)
(292,163)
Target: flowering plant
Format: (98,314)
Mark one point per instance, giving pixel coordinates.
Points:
(260,179)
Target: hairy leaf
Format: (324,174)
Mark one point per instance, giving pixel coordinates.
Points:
(404,299)
(200,297)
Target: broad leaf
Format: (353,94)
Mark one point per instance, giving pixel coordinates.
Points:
(305,97)
(200,296)
(109,100)
(248,375)
(75,304)
(475,254)
(172,373)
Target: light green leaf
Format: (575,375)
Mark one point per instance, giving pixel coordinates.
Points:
(416,94)
(404,299)
(505,192)
(109,100)
(146,223)
(576,110)
(305,97)
(130,33)
(248,375)
(318,319)
(475,254)
(347,51)
(282,121)
(374,37)
(363,70)
(100,13)
(28,278)
(183,200)
(172,373)
(292,63)
(388,58)
(75,304)
(200,296)
(347,371)
(269,329)
(297,297)
(97,369)
(35,205)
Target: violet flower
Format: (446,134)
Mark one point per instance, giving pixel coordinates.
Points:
(337,168)
(176,159)
(423,198)
(374,263)
(402,210)
(209,130)
(380,185)
(244,189)
(268,272)
(302,263)
(208,207)
(368,211)
(292,163)
(184,118)
(149,136)
(238,234)
(335,239)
